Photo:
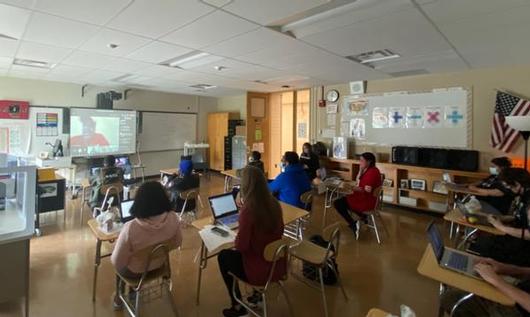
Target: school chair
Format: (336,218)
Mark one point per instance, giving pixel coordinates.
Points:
(318,257)
(188,196)
(109,192)
(295,230)
(155,279)
(375,213)
(273,252)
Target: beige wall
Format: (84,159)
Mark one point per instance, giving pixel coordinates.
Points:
(47,93)
(482,83)
(233,104)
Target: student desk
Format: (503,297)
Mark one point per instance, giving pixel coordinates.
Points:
(101,237)
(334,190)
(376,312)
(290,214)
(168,171)
(455,216)
(429,267)
(229,176)
(454,190)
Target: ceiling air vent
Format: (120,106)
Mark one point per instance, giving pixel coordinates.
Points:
(369,58)
(203,86)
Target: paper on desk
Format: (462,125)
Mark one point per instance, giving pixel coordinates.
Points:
(214,241)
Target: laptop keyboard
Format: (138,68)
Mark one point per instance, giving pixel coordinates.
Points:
(458,261)
(230,219)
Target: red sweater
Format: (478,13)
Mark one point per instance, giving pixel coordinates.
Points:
(251,242)
(363,201)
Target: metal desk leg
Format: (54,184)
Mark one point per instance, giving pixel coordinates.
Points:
(226,184)
(451,230)
(83,197)
(97,262)
(203,260)
(466,237)
(459,302)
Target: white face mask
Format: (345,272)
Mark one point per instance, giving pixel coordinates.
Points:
(250,159)
(282,166)
(494,171)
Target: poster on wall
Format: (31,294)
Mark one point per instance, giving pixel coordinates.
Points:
(340,147)
(433,117)
(345,128)
(47,124)
(355,106)
(332,119)
(357,128)
(396,117)
(302,130)
(414,117)
(380,118)
(454,117)
(332,108)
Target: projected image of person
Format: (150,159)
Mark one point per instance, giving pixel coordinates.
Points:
(89,136)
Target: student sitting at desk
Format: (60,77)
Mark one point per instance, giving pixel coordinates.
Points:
(492,272)
(109,174)
(260,223)
(514,247)
(154,223)
(309,161)
(491,190)
(186,180)
(292,182)
(362,199)
(255,160)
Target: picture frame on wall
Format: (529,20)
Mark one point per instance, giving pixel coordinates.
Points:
(418,184)
(404,184)
(388,182)
(439,188)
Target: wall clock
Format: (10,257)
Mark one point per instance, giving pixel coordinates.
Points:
(332,95)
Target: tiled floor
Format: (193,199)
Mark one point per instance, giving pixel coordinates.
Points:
(374,276)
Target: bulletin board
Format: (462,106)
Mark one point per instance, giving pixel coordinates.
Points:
(440,117)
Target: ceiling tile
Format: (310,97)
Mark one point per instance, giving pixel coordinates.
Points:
(267,12)
(249,42)
(126,65)
(13,21)
(155,18)
(26,74)
(28,69)
(41,52)
(5,62)
(405,32)
(87,59)
(239,70)
(127,43)
(99,76)
(51,30)
(93,11)
(70,71)
(159,71)
(157,52)
(211,29)
(8,48)
(19,3)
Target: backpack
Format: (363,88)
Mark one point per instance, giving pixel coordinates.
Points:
(311,273)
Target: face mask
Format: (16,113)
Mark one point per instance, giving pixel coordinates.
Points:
(250,159)
(282,166)
(493,171)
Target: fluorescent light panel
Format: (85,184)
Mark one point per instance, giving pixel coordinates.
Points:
(191,60)
(33,63)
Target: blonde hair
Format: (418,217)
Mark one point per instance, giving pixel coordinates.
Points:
(258,200)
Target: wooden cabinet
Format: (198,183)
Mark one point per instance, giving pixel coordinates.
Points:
(421,199)
(217,131)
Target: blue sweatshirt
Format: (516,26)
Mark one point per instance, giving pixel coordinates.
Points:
(290,184)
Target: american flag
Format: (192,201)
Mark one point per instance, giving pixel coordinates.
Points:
(503,137)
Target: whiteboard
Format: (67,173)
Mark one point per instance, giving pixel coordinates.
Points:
(446,132)
(161,131)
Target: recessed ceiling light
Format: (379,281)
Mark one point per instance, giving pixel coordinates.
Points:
(33,63)
(203,86)
(220,68)
(373,56)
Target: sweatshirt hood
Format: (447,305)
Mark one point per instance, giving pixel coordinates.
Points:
(157,222)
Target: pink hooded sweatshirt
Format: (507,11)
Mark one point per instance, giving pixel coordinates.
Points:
(139,234)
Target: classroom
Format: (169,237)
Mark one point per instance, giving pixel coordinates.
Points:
(264,158)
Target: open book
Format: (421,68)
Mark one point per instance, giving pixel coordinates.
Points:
(213,241)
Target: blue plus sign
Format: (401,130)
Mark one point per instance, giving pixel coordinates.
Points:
(397,117)
(454,117)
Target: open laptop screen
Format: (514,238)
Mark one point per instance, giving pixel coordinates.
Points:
(436,241)
(223,205)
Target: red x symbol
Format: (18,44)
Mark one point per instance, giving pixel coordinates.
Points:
(433,116)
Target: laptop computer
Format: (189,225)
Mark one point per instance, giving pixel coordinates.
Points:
(224,210)
(125,211)
(448,258)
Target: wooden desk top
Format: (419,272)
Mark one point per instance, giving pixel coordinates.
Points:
(457,217)
(230,173)
(169,171)
(100,235)
(429,267)
(290,214)
(460,189)
(376,312)
(85,182)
